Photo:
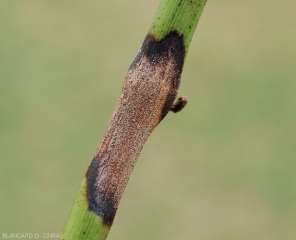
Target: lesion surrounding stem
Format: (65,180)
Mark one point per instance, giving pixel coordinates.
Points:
(148,93)
(147,96)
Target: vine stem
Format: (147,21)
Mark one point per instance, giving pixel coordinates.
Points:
(148,94)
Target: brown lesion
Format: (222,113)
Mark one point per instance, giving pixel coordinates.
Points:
(148,93)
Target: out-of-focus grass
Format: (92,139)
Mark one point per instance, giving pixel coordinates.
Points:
(223,168)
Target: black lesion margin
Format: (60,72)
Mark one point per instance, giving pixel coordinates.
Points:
(106,209)
(158,52)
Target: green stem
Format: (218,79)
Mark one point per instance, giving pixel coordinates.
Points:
(82,223)
(181,17)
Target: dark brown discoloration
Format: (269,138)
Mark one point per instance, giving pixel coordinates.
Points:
(148,93)
(179,105)
(168,104)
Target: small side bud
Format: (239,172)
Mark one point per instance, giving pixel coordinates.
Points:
(179,105)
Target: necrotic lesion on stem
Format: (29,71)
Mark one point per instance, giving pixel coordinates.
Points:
(148,93)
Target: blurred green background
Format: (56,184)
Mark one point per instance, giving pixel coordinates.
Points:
(223,168)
